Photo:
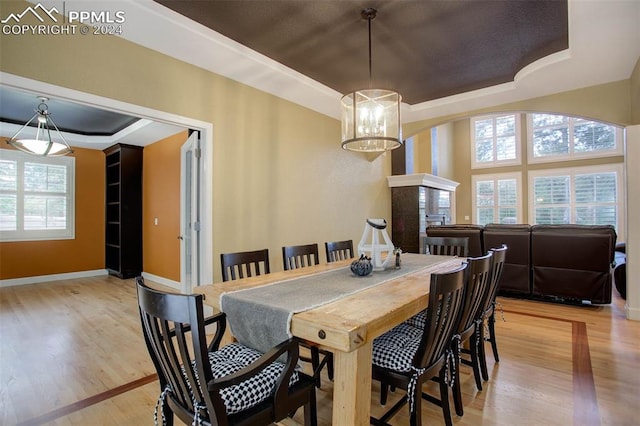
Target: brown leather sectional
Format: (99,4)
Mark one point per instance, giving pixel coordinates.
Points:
(563,263)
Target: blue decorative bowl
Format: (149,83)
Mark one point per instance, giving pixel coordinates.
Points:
(362,267)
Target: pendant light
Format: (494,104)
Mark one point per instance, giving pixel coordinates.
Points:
(42,145)
(371,117)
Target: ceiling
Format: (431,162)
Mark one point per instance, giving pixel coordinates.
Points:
(82,125)
(17,107)
(443,57)
(424,50)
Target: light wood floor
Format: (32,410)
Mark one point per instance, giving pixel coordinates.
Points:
(71,353)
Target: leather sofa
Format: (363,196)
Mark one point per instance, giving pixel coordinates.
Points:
(573,262)
(516,272)
(620,270)
(563,263)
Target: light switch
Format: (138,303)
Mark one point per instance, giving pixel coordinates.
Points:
(155,221)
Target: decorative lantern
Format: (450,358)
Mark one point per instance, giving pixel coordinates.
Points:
(374,242)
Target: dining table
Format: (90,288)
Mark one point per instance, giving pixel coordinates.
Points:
(344,324)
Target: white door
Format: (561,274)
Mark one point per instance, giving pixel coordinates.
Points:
(190,213)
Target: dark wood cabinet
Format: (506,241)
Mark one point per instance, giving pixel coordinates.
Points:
(123,232)
(418,200)
(412,209)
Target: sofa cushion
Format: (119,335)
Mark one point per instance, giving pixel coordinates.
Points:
(517,266)
(572,262)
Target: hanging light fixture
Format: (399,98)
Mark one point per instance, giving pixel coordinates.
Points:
(371,117)
(42,145)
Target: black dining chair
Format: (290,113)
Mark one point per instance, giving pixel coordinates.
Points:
(247,263)
(294,257)
(203,384)
(446,246)
(300,256)
(488,310)
(478,280)
(339,250)
(406,357)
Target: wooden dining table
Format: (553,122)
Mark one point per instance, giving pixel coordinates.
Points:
(347,326)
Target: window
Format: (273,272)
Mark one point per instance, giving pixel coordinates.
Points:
(497,198)
(582,195)
(36,197)
(559,138)
(495,140)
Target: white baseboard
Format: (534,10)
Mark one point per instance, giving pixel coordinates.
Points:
(161,280)
(54,277)
(632,313)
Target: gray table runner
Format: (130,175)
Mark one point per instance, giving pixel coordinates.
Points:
(261,317)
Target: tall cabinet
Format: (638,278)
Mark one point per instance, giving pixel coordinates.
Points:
(416,200)
(123,238)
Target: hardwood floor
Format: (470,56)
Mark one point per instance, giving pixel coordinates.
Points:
(72,353)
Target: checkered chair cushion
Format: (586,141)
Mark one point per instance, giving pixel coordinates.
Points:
(396,348)
(418,320)
(252,391)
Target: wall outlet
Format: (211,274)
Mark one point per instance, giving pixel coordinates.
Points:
(465,218)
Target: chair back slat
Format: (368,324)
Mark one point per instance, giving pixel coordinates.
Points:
(173,326)
(477,280)
(250,388)
(497,264)
(339,250)
(164,357)
(443,314)
(294,257)
(244,264)
(446,246)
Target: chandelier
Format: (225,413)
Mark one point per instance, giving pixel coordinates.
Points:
(371,117)
(42,145)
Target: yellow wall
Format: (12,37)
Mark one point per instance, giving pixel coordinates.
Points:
(635,94)
(422,160)
(161,200)
(423,155)
(279,174)
(86,251)
(445,150)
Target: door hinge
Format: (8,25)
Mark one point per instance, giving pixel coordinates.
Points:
(196,226)
(197,153)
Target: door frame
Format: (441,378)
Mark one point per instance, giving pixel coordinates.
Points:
(206,146)
(190,194)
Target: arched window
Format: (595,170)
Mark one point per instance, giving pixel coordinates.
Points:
(561,138)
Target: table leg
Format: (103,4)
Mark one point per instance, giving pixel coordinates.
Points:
(352,387)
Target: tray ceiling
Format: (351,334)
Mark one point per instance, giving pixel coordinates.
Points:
(425,50)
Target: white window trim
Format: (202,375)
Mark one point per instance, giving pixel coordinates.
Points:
(495,163)
(619,149)
(46,234)
(496,177)
(572,172)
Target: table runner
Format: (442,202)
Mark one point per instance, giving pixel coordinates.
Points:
(260,317)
